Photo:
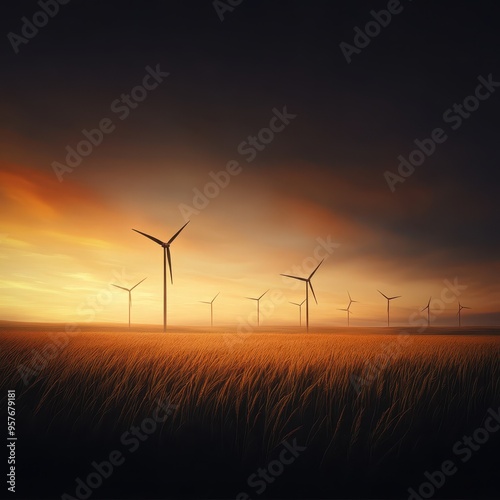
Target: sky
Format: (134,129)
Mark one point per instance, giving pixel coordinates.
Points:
(280,130)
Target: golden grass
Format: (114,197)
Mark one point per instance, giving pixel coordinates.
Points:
(268,388)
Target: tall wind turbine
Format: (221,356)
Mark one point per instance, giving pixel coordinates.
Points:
(166,254)
(388,302)
(211,308)
(129,290)
(460,307)
(308,284)
(300,310)
(348,309)
(428,307)
(258,305)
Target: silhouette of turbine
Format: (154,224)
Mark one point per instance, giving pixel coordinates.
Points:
(258,305)
(300,310)
(308,284)
(129,290)
(388,302)
(348,309)
(460,307)
(211,308)
(166,254)
(428,311)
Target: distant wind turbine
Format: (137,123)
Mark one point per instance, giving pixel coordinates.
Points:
(129,290)
(388,302)
(460,307)
(166,254)
(258,305)
(348,309)
(428,307)
(308,284)
(211,308)
(300,310)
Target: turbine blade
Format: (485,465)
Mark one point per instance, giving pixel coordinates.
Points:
(383,294)
(122,287)
(156,240)
(215,297)
(396,297)
(429,303)
(294,277)
(177,233)
(312,289)
(302,302)
(170,265)
(138,284)
(295,303)
(312,274)
(263,294)
(251,298)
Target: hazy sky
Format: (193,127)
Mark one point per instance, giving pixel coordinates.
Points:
(309,139)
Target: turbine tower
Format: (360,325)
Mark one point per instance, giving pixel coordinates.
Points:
(211,308)
(129,290)
(388,302)
(308,283)
(428,311)
(460,307)
(258,305)
(300,310)
(348,309)
(166,254)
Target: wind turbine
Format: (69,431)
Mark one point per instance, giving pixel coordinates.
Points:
(300,310)
(388,301)
(258,306)
(348,309)
(211,309)
(308,284)
(460,307)
(166,254)
(428,311)
(129,290)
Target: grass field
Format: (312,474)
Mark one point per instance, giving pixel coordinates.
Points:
(373,410)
